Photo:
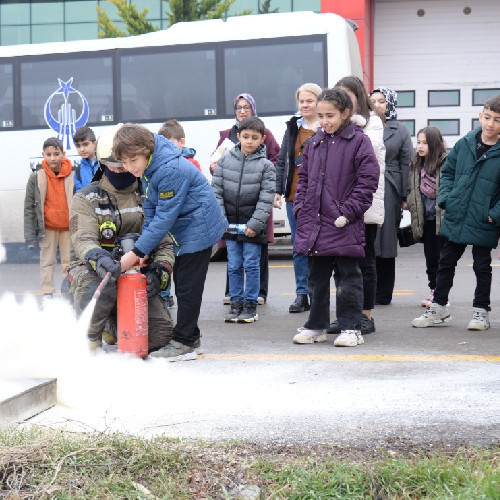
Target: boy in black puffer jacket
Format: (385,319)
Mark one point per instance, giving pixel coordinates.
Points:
(244,185)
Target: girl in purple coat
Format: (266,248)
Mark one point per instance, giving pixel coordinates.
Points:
(337,180)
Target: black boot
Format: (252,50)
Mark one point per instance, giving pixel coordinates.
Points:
(301,304)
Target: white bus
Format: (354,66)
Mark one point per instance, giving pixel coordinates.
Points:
(191,71)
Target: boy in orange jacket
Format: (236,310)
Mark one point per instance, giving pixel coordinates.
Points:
(46,211)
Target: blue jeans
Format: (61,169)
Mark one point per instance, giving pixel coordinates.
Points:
(243,257)
(300,262)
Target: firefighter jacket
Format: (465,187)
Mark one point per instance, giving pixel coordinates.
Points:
(99,203)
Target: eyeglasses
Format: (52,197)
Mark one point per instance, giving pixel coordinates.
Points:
(243,108)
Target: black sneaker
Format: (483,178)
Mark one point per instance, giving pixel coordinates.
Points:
(249,313)
(301,304)
(367,325)
(234,312)
(334,328)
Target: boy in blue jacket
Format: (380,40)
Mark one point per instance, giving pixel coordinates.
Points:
(469,192)
(178,201)
(85,142)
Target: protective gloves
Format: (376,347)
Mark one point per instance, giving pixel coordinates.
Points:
(101,262)
(153,283)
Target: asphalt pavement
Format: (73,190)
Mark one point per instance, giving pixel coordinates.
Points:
(421,385)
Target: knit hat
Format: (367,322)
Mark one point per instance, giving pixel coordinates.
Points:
(391,98)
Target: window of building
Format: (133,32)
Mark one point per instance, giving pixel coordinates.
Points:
(41,33)
(47,12)
(110,10)
(410,124)
(475,123)
(406,98)
(14,35)
(282,5)
(314,5)
(175,89)
(241,5)
(154,8)
(288,65)
(7,96)
(80,31)
(443,98)
(81,11)
(447,127)
(63,85)
(14,12)
(480,96)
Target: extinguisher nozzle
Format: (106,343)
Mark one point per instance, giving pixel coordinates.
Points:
(102,284)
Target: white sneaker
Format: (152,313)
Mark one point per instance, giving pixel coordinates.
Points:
(349,338)
(480,319)
(306,336)
(434,316)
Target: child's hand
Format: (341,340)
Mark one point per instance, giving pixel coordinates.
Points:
(404,205)
(128,260)
(212,167)
(250,232)
(277,201)
(490,220)
(341,221)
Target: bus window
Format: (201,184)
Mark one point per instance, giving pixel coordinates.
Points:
(6,96)
(158,85)
(287,65)
(77,81)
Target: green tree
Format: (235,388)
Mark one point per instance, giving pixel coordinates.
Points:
(135,21)
(265,8)
(194,10)
(180,10)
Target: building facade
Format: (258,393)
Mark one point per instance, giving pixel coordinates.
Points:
(441,56)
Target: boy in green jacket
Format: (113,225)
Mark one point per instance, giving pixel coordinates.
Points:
(470,193)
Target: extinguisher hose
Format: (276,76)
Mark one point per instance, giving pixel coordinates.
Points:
(102,284)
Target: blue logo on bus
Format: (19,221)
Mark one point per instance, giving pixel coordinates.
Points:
(66,122)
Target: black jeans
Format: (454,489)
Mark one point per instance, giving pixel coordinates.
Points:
(264,273)
(190,273)
(386,276)
(433,244)
(368,268)
(349,297)
(448,259)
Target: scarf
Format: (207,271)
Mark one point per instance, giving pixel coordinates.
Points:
(392,102)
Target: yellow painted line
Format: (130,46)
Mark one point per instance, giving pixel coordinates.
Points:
(408,358)
(283,266)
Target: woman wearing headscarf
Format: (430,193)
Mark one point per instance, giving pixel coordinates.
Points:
(399,150)
(244,106)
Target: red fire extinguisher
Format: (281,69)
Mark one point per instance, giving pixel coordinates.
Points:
(132,313)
